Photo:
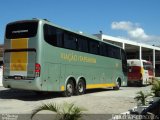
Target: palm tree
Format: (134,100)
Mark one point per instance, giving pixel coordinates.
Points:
(156,88)
(65,112)
(142,97)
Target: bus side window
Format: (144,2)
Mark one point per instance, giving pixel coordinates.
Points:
(113,52)
(109,50)
(53,36)
(124,61)
(144,65)
(94,47)
(59,38)
(82,45)
(103,49)
(116,52)
(70,41)
(50,34)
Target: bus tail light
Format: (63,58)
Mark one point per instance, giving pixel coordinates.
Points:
(141,77)
(37,70)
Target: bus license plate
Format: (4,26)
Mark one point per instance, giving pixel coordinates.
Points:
(18,77)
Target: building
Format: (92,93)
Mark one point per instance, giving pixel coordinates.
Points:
(1,62)
(1,52)
(136,50)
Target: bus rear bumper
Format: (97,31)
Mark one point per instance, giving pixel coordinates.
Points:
(134,82)
(22,84)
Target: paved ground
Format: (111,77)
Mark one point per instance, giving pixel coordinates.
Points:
(99,101)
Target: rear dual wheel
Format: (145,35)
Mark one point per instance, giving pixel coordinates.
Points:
(71,89)
(81,87)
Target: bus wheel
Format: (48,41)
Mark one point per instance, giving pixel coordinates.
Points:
(81,87)
(69,89)
(140,83)
(118,85)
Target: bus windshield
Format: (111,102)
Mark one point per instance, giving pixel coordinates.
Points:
(23,29)
(147,66)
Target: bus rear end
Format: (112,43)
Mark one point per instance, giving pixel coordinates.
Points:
(139,72)
(21,70)
(134,75)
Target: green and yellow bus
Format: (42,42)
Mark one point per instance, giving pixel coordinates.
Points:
(42,56)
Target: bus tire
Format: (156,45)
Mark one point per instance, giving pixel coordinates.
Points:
(140,83)
(81,87)
(118,85)
(69,89)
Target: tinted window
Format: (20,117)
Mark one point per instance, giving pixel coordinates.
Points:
(94,47)
(113,52)
(124,62)
(103,49)
(65,39)
(147,66)
(53,35)
(70,41)
(82,45)
(24,29)
(116,53)
(110,53)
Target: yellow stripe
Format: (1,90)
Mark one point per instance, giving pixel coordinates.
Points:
(62,88)
(142,70)
(19,60)
(89,86)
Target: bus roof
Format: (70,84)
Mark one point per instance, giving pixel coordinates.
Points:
(76,32)
(69,30)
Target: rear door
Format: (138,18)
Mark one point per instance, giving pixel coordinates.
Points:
(20,64)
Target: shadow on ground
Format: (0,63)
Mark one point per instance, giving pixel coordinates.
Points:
(97,90)
(27,95)
(35,96)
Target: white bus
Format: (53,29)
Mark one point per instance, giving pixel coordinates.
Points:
(139,72)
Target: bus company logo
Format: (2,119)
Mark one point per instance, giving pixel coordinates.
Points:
(9,117)
(77,58)
(19,31)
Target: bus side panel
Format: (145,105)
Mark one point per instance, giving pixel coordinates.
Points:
(96,76)
(90,73)
(52,81)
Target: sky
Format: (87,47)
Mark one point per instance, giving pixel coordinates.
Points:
(136,20)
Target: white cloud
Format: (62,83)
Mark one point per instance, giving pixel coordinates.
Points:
(135,32)
(122,25)
(138,33)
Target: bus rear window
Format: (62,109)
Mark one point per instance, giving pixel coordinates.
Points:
(24,29)
(134,69)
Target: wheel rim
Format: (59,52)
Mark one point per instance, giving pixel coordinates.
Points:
(80,87)
(69,88)
(118,84)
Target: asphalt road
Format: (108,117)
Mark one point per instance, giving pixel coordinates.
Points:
(96,101)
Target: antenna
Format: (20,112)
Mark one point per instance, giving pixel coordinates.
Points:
(100,32)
